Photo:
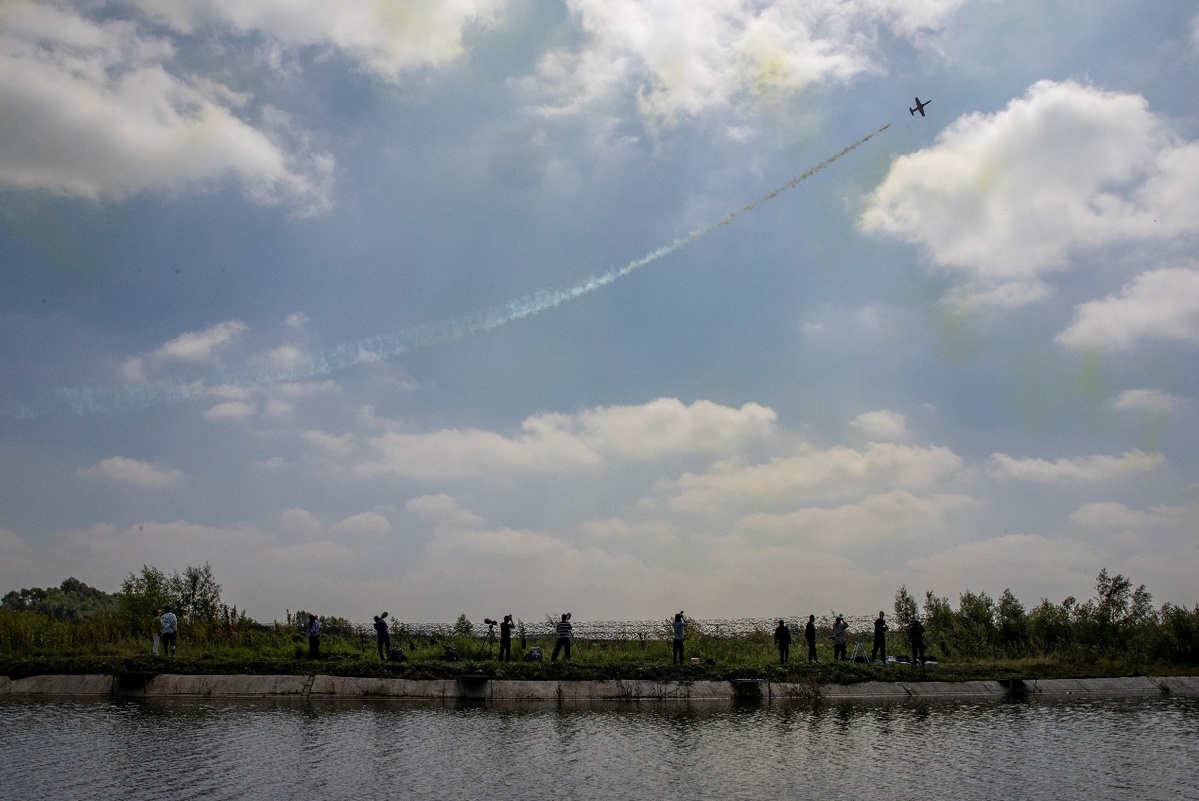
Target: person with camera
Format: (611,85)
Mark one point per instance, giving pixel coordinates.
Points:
(506,638)
(680,623)
(564,637)
(840,627)
(383,635)
(880,637)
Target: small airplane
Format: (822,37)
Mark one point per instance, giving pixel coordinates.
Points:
(919,107)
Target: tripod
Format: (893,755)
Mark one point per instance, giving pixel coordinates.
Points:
(489,638)
(858,651)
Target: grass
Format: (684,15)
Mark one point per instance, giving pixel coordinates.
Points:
(281,652)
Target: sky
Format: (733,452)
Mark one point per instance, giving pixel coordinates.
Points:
(491,306)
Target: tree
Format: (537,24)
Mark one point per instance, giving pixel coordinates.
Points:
(905,607)
(1012,624)
(975,628)
(72,600)
(143,595)
(195,593)
(939,620)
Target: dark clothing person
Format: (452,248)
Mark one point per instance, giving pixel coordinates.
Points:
(782,638)
(809,634)
(314,637)
(839,629)
(880,638)
(564,637)
(383,634)
(506,627)
(677,654)
(916,635)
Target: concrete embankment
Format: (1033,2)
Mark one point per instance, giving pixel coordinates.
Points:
(481,688)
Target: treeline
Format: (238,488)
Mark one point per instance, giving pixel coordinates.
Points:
(75,618)
(72,600)
(1120,622)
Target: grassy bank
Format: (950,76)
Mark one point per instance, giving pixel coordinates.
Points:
(584,669)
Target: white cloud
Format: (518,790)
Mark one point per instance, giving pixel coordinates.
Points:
(1026,563)
(230,410)
(444,510)
(666,425)
(683,57)
(200,346)
(133,370)
(365,524)
(132,471)
(1006,198)
(297,320)
(335,444)
(1113,516)
(287,356)
(553,442)
(1079,470)
(386,38)
(893,516)
(1159,304)
(1149,400)
(815,475)
(882,424)
(279,408)
(92,110)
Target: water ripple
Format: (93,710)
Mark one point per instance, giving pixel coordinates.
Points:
(1109,749)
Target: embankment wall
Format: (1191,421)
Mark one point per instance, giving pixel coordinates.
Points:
(320,687)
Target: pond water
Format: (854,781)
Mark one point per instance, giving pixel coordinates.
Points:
(295,751)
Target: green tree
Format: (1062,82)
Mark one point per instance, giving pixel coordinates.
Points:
(195,593)
(1012,623)
(905,607)
(939,622)
(72,600)
(974,631)
(142,596)
(463,627)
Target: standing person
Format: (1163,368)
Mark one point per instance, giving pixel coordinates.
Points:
(809,634)
(916,635)
(564,637)
(782,638)
(383,634)
(839,629)
(314,637)
(680,623)
(170,627)
(506,626)
(880,637)
(155,627)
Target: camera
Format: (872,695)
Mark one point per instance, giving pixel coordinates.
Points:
(490,622)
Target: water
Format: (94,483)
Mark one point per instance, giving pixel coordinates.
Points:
(294,751)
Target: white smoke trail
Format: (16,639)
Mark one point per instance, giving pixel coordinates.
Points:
(82,401)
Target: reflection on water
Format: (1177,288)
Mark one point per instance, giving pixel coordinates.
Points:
(1104,749)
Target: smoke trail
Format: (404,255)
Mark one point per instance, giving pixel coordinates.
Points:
(387,346)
